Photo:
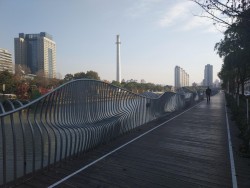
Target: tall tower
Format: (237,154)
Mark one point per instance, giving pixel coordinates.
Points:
(118,59)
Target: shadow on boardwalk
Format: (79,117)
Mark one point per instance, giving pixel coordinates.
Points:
(187,150)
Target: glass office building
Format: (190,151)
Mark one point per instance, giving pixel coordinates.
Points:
(36,52)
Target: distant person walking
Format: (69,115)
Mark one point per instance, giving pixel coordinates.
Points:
(208,94)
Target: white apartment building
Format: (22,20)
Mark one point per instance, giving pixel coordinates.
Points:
(181,77)
(5,61)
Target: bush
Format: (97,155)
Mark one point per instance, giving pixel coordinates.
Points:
(239,116)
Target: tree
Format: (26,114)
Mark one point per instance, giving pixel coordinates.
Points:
(89,75)
(68,77)
(228,74)
(21,70)
(40,79)
(235,49)
(115,83)
(194,84)
(22,90)
(131,86)
(92,75)
(224,12)
(106,81)
(79,75)
(53,83)
(7,78)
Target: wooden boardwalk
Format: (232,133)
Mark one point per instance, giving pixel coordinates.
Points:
(190,150)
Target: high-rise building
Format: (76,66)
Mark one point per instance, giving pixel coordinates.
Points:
(177,80)
(208,75)
(37,52)
(181,78)
(6,61)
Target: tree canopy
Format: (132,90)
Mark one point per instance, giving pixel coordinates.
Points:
(9,81)
(234,48)
(235,51)
(224,12)
(140,87)
(80,75)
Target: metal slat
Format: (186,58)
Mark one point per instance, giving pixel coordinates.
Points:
(76,117)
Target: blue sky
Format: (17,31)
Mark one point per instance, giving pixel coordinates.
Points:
(156,35)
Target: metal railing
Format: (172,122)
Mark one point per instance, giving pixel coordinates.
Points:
(70,120)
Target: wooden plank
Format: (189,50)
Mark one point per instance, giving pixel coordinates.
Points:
(189,151)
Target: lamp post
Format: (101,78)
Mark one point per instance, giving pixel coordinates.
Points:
(3,90)
(247,95)
(247,113)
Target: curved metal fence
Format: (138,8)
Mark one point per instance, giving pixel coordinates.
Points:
(70,120)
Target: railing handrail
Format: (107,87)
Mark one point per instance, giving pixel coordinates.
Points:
(59,87)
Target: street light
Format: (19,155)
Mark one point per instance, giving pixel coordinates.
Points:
(247,95)
(3,90)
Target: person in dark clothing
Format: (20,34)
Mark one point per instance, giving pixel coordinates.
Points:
(208,94)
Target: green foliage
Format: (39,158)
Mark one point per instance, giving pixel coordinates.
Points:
(7,78)
(140,87)
(92,75)
(235,49)
(35,94)
(234,15)
(115,83)
(68,77)
(239,116)
(238,112)
(22,87)
(80,75)
(223,12)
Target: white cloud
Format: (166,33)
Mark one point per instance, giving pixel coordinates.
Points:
(179,14)
(175,13)
(204,24)
(182,16)
(141,7)
(194,22)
